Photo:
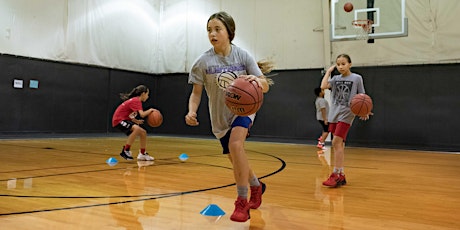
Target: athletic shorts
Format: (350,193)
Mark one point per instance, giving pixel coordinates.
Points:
(339,129)
(125,127)
(240,122)
(325,127)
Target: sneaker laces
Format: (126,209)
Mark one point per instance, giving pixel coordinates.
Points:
(255,192)
(334,177)
(240,204)
(241,212)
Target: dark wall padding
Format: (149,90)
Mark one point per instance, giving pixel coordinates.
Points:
(69,98)
(415,106)
(289,107)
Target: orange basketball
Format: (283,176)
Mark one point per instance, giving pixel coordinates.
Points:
(155,118)
(361,105)
(348,7)
(243,97)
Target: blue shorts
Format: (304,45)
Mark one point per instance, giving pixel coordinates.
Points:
(244,122)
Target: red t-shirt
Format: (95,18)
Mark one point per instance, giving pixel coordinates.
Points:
(127,110)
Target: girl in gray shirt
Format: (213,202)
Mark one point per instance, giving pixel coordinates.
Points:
(213,71)
(344,87)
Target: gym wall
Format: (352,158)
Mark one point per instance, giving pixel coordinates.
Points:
(415,106)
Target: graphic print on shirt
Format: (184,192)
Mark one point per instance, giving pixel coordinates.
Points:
(226,74)
(342,92)
(133,115)
(225,79)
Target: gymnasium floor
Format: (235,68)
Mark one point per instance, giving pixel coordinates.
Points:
(65,183)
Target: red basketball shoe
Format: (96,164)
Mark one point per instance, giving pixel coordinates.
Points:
(256,195)
(321,146)
(342,179)
(335,180)
(241,213)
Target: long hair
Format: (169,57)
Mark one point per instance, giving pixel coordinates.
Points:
(134,92)
(266,67)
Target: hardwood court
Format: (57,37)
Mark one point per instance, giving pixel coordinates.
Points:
(66,184)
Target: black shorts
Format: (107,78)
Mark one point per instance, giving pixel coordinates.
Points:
(325,127)
(239,121)
(126,127)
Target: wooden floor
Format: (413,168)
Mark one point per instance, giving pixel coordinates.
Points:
(65,183)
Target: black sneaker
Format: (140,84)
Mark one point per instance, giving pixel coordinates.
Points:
(126,154)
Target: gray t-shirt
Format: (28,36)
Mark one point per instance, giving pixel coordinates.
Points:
(216,72)
(343,90)
(321,103)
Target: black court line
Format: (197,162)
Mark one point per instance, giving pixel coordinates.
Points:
(51,168)
(107,169)
(48,148)
(148,197)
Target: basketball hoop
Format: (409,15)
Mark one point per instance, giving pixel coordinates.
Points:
(362,27)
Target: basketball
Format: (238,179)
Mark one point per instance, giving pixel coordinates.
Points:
(361,105)
(348,7)
(243,97)
(155,118)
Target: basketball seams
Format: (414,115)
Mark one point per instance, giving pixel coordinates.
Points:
(259,95)
(247,93)
(361,104)
(155,118)
(243,97)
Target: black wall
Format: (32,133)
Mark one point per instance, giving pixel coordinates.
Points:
(415,106)
(70,98)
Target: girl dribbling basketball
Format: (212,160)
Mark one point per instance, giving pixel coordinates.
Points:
(125,120)
(344,87)
(211,71)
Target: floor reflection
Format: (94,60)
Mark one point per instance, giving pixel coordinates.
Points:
(256,221)
(331,199)
(127,213)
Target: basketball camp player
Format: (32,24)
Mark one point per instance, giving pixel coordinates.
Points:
(322,109)
(343,88)
(225,58)
(125,120)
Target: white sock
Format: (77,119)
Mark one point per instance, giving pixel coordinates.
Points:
(336,170)
(242,191)
(254,181)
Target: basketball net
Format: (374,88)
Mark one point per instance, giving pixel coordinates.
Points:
(362,28)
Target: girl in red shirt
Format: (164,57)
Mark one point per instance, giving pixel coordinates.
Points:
(125,120)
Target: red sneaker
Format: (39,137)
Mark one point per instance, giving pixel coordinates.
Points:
(335,180)
(256,195)
(241,213)
(321,146)
(342,179)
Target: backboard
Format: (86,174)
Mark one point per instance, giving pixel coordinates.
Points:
(387,16)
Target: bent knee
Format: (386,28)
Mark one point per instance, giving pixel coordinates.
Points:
(139,130)
(236,146)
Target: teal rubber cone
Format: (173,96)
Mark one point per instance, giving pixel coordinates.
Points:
(111,161)
(183,157)
(212,210)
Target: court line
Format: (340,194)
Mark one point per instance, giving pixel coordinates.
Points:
(157,196)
